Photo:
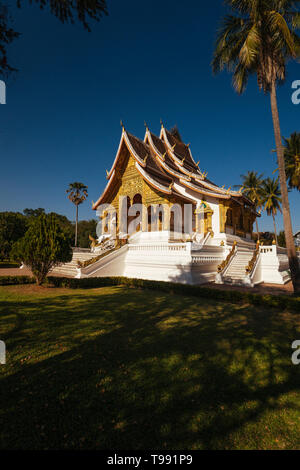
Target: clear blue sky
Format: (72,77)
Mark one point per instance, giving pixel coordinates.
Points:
(145,61)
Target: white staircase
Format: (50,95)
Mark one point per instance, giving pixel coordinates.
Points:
(236,270)
(70,269)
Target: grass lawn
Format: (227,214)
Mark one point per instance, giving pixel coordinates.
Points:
(120,368)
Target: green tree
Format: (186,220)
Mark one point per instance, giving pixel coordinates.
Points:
(33,212)
(271,199)
(64,10)
(292,160)
(13,226)
(77,194)
(43,247)
(259,37)
(86,228)
(252,188)
(281,239)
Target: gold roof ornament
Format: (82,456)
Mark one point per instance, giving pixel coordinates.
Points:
(171,185)
(182,161)
(197,164)
(107,174)
(188,145)
(161,123)
(145,159)
(145,124)
(164,155)
(173,147)
(122,125)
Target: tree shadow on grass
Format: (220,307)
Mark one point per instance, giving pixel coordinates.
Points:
(130,369)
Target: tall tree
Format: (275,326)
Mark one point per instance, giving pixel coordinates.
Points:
(271,199)
(13,226)
(252,188)
(64,10)
(77,194)
(43,246)
(292,160)
(259,37)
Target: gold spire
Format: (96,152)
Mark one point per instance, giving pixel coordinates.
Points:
(161,123)
(107,174)
(122,125)
(145,124)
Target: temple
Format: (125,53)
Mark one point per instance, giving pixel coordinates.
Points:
(161,171)
(162,218)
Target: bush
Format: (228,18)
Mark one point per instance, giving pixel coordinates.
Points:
(11,280)
(43,247)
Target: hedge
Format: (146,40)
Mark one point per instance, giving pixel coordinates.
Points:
(11,280)
(274,301)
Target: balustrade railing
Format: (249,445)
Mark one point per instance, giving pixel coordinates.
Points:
(252,262)
(225,263)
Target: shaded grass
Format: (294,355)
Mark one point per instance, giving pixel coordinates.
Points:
(122,368)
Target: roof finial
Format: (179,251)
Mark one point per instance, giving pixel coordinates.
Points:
(161,123)
(122,125)
(145,124)
(107,174)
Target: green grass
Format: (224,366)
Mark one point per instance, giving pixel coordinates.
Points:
(120,368)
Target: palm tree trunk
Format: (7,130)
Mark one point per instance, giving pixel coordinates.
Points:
(275,231)
(291,250)
(76,225)
(257,229)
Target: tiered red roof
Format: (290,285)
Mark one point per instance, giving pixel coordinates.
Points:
(166,163)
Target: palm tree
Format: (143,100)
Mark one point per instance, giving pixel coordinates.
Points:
(271,199)
(292,160)
(259,37)
(252,188)
(77,194)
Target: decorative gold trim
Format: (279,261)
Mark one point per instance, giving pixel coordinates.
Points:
(225,263)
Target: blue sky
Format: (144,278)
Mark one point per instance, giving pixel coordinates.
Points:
(144,62)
